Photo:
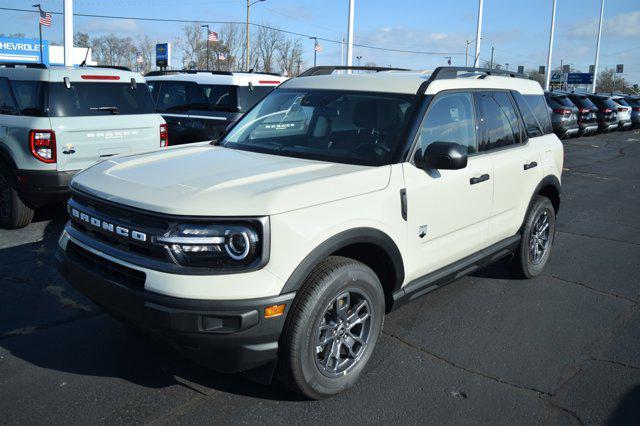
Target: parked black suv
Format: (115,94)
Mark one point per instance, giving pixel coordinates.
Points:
(587,113)
(564,114)
(607,113)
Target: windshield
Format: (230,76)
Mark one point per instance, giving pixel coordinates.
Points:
(87,99)
(337,126)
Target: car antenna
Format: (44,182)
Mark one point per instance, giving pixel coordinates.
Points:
(84,61)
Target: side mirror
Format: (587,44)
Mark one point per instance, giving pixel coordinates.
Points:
(442,156)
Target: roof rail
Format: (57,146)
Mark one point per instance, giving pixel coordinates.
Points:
(23,64)
(113,67)
(443,73)
(214,72)
(329,69)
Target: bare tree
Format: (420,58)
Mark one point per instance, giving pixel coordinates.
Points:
(231,45)
(81,40)
(609,82)
(146,50)
(193,47)
(114,50)
(267,43)
(290,53)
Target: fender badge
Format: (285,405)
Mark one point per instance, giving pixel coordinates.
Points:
(69,149)
(422,231)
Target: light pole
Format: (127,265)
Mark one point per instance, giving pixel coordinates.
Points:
(247,49)
(466,53)
(350,36)
(207,41)
(478,35)
(358,58)
(595,67)
(547,80)
(315,49)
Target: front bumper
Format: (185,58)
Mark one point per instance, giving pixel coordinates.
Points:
(43,187)
(224,335)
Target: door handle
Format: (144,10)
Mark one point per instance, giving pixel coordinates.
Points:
(531,165)
(479,179)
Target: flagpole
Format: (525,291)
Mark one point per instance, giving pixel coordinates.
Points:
(39,30)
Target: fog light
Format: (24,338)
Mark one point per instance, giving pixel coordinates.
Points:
(274,311)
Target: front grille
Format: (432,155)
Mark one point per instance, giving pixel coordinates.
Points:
(113,271)
(132,219)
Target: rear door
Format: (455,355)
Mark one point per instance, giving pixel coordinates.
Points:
(97,120)
(515,162)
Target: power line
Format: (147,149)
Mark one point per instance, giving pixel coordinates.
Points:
(187,21)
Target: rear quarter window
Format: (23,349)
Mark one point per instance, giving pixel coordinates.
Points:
(7,103)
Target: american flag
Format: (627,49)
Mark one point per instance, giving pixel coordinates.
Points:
(221,57)
(317,48)
(45,18)
(213,36)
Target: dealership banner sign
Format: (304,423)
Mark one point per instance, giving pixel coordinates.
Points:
(23,50)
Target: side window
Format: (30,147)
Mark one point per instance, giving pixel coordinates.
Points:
(196,98)
(172,97)
(450,118)
(7,103)
(31,97)
(501,127)
(532,127)
(540,109)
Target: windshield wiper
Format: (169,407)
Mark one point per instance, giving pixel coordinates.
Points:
(111,109)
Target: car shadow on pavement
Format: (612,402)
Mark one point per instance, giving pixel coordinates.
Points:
(46,323)
(627,412)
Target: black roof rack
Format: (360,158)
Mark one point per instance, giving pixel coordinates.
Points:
(329,69)
(443,73)
(23,64)
(113,67)
(214,72)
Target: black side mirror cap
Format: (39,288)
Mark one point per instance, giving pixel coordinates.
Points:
(442,156)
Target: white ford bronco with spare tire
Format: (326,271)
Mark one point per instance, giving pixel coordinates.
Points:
(279,248)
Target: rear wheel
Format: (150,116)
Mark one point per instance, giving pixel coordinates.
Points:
(14,213)
(332,329)
(535,245)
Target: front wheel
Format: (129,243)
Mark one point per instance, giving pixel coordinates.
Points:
(538,234)
(332,329)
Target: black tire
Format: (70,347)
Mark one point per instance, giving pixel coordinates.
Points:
(300,361)
(14,213)
(525,264)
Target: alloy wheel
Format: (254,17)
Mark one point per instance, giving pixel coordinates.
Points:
(539,239)
(343,333)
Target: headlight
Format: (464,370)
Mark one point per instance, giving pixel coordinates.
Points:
(213,245)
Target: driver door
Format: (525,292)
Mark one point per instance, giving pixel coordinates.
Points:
(447,210)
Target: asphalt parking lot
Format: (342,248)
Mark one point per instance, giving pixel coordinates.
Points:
(560,349)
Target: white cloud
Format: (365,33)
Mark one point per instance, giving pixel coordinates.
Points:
(119,26)
(626,25)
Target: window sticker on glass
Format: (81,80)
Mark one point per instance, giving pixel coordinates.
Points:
(455,114)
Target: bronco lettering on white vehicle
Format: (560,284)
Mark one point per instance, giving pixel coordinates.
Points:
(280,252)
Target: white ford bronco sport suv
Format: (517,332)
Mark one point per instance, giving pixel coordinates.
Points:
(56,121)
(336,199)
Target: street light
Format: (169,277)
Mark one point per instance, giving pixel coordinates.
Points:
(315,49)
(358,58)
(207,41)
(248,59)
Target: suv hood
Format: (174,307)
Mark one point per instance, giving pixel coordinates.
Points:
(205,180)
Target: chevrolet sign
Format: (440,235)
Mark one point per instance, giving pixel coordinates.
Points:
(108,226)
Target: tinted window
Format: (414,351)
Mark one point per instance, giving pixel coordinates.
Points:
(603,102)
(541,110)
(583,102)
(501,126)
(327,125)
(85,99)
(563,101)
(450,118)
(172,97)
(197,100)
(532,126)
(7,104)
(31,97)
(621,102)
(633,102)
(220,97)
(249,97)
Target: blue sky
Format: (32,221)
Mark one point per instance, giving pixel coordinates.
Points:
(518,29)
